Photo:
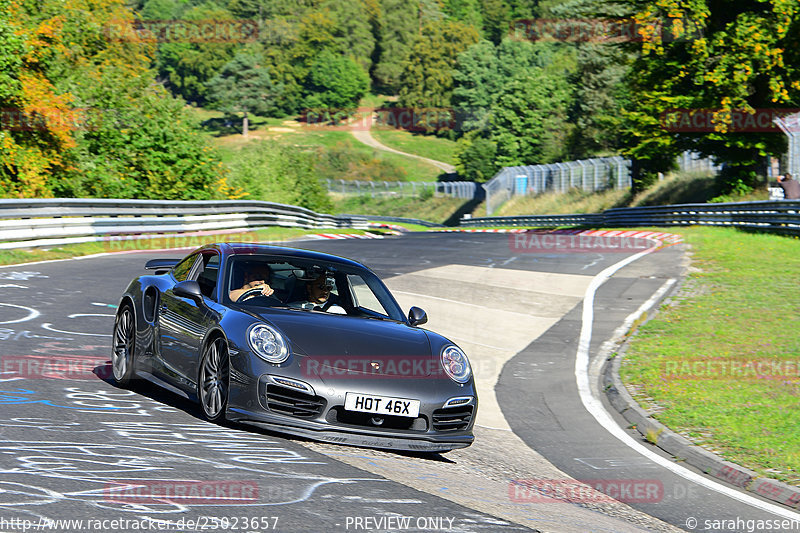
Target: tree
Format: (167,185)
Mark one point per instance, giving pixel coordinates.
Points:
(91,120)
(187,65)
(516,97)
(335,82)
(278,173)
(529,119)
(354,29)
(708,54)
(243,85)
(476,82)
(497,16)
(475,158)
(600,97)
(149,150)
(399,24)
(427,78)
(466,11)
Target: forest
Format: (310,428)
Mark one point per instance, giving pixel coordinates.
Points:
(96,95)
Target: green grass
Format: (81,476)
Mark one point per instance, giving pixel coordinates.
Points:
(432,209)
(428,146)
(676,188)
(570,202)
(229,141)
(268,235)
(741,305)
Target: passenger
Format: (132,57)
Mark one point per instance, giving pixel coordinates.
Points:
(254,278)
(318,294)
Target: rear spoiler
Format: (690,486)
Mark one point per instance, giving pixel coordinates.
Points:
(161,264)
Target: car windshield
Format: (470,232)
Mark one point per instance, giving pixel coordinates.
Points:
(312,286)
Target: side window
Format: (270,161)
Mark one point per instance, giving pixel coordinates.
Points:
(207,274)
(181,271)
(363,296)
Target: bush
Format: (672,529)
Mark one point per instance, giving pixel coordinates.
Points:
(147,149)
(344,162)
(277,173)
(475,159)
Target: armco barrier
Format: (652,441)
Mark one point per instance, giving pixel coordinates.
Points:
(378,218)
(50,222)
(782,216)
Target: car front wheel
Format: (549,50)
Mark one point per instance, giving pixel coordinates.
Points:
(122,349)
(213,379)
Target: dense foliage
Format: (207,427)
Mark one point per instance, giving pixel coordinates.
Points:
(82,114)
(94,102)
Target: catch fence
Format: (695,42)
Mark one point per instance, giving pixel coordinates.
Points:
(454,189)
(587,174)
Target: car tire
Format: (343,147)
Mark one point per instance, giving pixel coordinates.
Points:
(123,346)
(213,380)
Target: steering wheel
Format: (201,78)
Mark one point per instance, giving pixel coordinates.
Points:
(250,293)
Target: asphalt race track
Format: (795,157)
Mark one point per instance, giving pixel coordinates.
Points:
(75,447)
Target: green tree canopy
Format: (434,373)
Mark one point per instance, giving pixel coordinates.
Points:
(336,82)
(718,56)
(427,78)
(243,85)
(186,65)
(399,24)
(94,121)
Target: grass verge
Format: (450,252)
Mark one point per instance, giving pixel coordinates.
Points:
(430,146)
(571,202)
(362,161)
(719,365)
(268,235)
(432,209)
(676,188)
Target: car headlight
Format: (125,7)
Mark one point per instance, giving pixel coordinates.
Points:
(268,344)
(456,364)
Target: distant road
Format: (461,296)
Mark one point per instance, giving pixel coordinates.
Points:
(366,137)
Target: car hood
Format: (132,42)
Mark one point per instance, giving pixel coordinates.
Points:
(330,344)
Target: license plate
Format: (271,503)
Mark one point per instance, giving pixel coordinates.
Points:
(381,405)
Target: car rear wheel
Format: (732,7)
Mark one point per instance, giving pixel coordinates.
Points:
(122,349)
(213,382)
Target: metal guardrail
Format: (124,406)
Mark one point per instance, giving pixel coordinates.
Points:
(781,216)
(378,218)
(453,189)
(29,223)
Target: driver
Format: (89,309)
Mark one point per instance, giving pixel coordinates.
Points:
(253,279)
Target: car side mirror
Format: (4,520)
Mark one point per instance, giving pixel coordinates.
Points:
(417,316)
(188,289)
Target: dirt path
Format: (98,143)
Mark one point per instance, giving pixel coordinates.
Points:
(364,136)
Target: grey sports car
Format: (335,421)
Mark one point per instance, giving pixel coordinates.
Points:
(316,347)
